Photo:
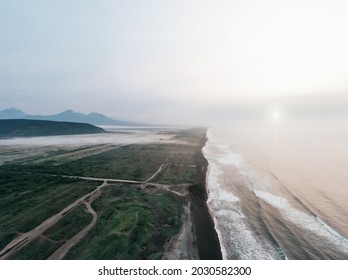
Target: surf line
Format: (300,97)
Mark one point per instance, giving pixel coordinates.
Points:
(199,196)
(331,229)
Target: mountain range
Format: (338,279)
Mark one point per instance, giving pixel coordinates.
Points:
(66,116)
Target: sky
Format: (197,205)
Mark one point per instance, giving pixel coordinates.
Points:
(179,62)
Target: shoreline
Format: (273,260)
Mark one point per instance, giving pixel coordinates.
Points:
(222,247)
(208,243)
(198,238)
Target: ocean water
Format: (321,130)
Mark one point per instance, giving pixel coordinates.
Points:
(279,190)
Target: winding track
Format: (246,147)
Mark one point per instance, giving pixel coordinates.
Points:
(64,249)
(27,237)
(157,172)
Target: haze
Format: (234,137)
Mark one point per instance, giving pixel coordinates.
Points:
(180,62)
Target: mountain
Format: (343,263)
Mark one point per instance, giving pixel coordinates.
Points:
(31,128)
(12,114)
(67,116)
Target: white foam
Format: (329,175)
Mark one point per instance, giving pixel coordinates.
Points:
(230,159)
(236,239)
(254,157)
(305,221)
(216,191)
(329,228)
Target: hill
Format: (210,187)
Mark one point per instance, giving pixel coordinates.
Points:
(12,113)
(31,128)
(66,116)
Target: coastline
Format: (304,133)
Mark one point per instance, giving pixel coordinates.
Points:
(208,243)
(197,239)
(218,233)
(208,200)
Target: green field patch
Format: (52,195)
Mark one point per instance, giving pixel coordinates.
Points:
(133,162)
(134,227)
(26,200)
(71,224)
(38,249)
(177,174)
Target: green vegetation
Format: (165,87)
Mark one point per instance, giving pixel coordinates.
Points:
(132,225)
(38,249)
(30,128)
(42,247)
(180,167)
(70,224)
(132,162)
(26,200)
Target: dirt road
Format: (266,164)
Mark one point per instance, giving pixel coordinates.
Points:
(64,249)
(157,172)
(25,238)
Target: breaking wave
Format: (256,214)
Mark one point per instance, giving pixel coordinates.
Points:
(256,217)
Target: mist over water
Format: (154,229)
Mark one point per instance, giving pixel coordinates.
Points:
(279,190)
(115,135)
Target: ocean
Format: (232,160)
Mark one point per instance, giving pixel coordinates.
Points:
(279,190)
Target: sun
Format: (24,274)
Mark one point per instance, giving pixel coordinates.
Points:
(276,114)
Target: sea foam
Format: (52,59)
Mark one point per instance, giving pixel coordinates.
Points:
(237,240)
(241,163)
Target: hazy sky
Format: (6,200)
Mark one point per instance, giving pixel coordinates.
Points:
(177,61)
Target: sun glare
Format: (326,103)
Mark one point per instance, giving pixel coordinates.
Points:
(276,115)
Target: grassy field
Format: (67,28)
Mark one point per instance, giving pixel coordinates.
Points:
(26,200)
(131,224)
(132,162)
(43,246)
(38,249)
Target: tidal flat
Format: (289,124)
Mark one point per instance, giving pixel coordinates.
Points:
(128,194)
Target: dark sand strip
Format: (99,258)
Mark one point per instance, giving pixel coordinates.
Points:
(208,244)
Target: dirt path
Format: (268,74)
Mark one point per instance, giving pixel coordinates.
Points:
(64,249)
(27,237)
(156,173)
(102,179)
(79,154)
(24,239)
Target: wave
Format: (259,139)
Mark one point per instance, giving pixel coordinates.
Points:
(237,240)
(332,230)
(259,220)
